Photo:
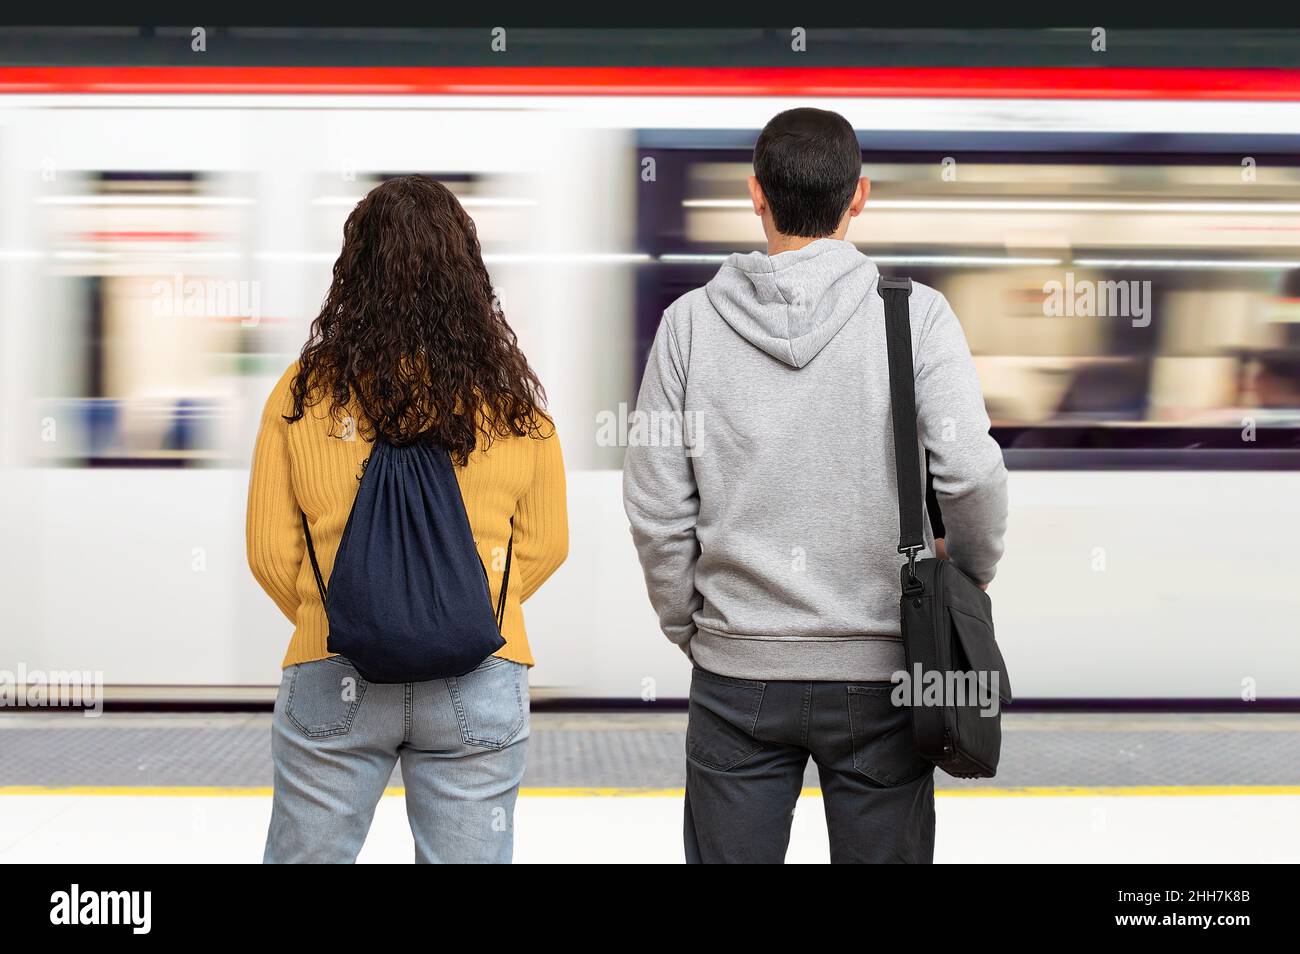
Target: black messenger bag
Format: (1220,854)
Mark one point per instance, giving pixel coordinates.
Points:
(947,620)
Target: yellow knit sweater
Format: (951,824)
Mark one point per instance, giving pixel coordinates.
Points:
(307,466)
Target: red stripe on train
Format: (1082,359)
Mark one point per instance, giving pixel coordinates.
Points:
(152,236)
(938,82)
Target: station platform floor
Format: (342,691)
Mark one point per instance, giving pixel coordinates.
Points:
(607,787)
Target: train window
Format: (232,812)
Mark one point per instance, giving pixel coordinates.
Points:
(144,309)
(1134,309)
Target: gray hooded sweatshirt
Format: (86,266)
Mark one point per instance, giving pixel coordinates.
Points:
(759,479)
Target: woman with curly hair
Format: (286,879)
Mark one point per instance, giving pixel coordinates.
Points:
(410,349)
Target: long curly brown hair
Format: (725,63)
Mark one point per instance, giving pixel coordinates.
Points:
(411,334)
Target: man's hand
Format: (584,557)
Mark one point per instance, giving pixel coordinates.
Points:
(941,553)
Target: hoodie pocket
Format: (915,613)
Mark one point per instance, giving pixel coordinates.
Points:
(721,718)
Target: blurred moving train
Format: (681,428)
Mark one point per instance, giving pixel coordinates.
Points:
(163,254)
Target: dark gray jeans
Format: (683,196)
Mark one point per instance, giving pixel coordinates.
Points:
(748,743)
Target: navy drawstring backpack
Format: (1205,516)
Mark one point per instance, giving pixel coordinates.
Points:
(408,597)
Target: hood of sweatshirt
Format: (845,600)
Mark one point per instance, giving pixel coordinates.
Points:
(792,304)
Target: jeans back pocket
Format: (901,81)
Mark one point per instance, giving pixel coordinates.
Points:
(721,718)
(491,702)
(884,748)
(324,696)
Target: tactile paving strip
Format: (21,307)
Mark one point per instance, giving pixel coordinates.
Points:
(630,750)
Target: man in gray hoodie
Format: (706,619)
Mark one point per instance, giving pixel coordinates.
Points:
(768,532)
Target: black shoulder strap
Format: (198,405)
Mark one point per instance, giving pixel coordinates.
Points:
(902,400)
(311,552)
(505,578)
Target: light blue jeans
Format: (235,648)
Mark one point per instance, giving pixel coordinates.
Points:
(335,739)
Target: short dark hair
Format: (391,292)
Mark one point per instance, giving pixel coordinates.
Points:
(808,163)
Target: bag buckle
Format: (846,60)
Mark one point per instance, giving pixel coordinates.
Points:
(913,584)
(897,284)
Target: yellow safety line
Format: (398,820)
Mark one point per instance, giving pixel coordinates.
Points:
(1045,791)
